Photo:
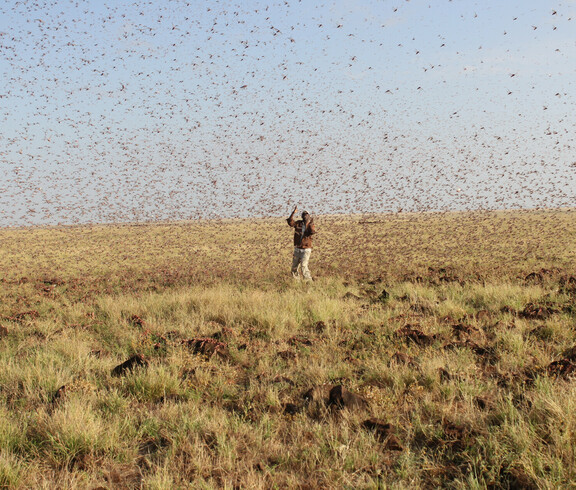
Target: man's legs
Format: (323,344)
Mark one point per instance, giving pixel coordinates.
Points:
(304,264)
(295,263)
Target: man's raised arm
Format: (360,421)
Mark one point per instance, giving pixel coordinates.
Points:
(290,219)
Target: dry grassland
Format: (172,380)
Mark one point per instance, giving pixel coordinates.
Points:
(431,350)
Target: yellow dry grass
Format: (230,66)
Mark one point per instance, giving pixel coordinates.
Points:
(467,358)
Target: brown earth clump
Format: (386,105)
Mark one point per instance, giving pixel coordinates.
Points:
(136,321)
(318,394)
(570,354)
(483,315)
(58,395)
(224,334)
(534,311)
(411,333)
(340,398)
(384,432)
(403,359)
(299,341)
(458,436)
(287,355)
(514,479)
(334,397)
(137,360)
(291,408)
(564,368)
(534,277)
(320,327)
(207,347)
(468,332)
(21,316)
(444,374)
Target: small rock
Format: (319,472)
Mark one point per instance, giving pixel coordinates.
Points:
(384,296)
(130,364)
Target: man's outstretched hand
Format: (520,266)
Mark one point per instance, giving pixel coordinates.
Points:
(295,209)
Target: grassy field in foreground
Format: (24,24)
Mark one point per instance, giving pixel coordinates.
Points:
(431,350)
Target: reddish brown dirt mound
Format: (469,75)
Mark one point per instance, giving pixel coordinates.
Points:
(412,334)
(537,312)
(299,341)
(563,368)
(207,346)
(468,332)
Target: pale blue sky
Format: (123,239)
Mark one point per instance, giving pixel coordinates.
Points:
(131,111)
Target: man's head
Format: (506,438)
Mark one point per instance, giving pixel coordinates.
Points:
(305,215)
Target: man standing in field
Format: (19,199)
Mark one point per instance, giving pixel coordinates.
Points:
(303,231)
